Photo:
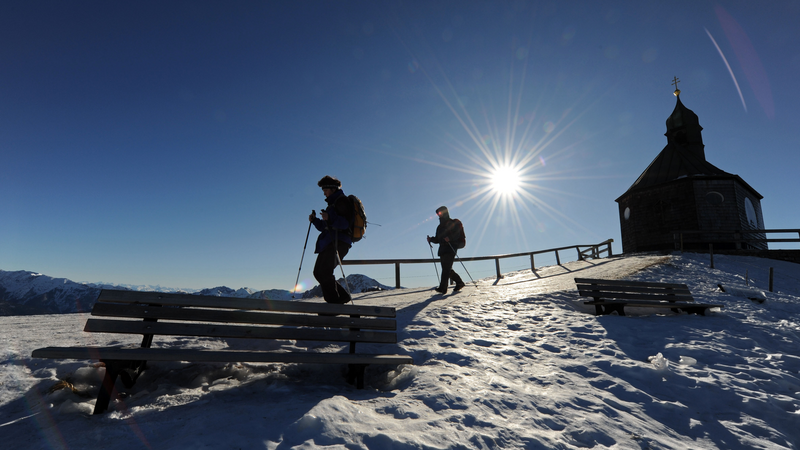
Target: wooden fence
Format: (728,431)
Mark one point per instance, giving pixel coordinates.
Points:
(584,252)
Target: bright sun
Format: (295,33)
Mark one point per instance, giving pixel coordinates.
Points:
(505,180)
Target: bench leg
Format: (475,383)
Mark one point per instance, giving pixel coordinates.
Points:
(353,344)
(113,369)
(355,375)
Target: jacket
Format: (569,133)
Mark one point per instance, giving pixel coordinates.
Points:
(453,229)
(337,225)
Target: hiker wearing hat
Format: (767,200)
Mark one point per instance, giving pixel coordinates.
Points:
(334,240)
(450,237)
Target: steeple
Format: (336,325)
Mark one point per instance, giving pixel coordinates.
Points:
(683,127)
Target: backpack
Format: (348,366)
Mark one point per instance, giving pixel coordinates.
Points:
(357,218)
(461,242)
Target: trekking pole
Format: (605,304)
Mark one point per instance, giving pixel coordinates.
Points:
(302,256)
(341,266)
(433,258)
(462,263)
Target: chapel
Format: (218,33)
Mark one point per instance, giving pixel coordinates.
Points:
(682,201)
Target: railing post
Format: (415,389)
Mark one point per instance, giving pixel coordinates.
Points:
(397,275)
(580,255)
(711,251)
(533,266)
(497,267)
(771,272)
(558,259)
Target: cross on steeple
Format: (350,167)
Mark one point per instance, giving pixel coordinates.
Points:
(675,81)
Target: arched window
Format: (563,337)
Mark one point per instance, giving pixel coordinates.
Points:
(750,210)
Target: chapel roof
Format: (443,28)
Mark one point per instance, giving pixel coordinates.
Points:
(683,156)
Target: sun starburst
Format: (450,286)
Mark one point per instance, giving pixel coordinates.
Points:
(505,180)
(507,164)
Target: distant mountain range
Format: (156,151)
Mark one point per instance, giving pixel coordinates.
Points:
(23,292)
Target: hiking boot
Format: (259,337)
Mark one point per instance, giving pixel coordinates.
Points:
(441,291)
(459,286)
(344,296)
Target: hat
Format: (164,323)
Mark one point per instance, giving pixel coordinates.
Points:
(442,212)
(329,182)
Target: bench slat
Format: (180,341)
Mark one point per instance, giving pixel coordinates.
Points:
(236,331)
(630,283)
(611,288)
(140,311)
(619,295)
(169,354)
(654,304)
(203,301)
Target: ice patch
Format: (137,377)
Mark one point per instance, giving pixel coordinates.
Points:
(686,361)
(659,362)
(749,292)
(399,378)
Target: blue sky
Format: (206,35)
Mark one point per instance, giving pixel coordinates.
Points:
(179,143)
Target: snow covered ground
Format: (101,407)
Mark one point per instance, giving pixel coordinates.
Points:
(514,363)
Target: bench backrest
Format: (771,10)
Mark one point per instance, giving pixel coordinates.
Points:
(156,313)
(632,290)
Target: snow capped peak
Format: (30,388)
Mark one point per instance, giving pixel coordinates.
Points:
(356,282)
(43,294)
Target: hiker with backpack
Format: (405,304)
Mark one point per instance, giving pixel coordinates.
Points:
(450,237)
(334,240)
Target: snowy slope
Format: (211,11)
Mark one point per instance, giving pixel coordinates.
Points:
(515,363)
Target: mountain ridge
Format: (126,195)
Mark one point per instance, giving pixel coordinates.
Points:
(25,292)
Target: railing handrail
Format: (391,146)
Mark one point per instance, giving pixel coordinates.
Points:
(737,236)
(783,230)
(596,251)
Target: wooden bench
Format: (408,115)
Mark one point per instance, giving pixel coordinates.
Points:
(615,295)
(161,314)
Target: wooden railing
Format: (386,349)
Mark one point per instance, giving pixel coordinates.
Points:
(738,237)
(585,252)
